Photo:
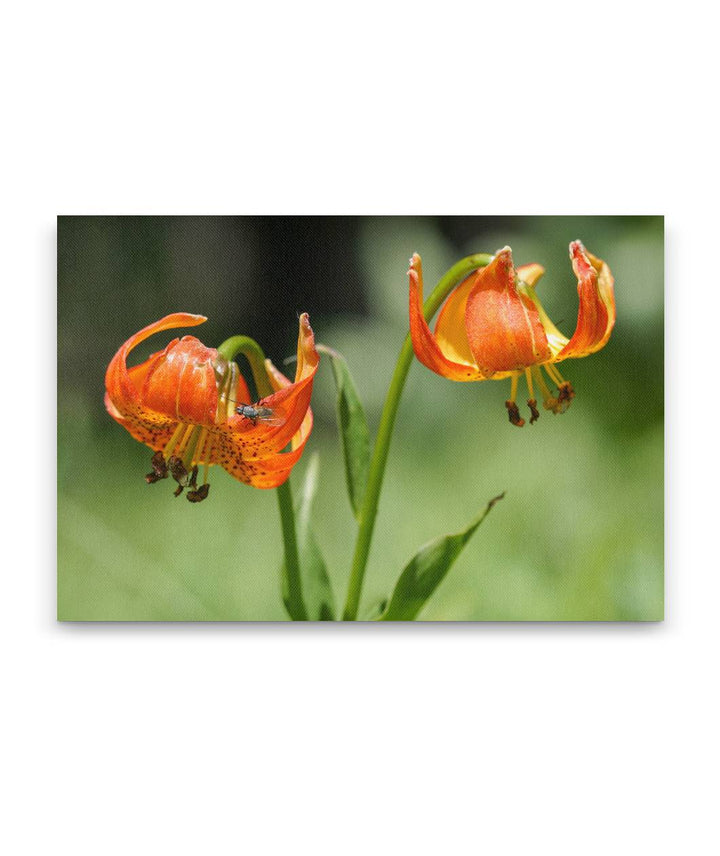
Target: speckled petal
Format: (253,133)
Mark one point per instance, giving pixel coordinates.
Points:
(291,402)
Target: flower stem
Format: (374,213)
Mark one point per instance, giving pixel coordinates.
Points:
(249,348)
(368,512)
(292,582)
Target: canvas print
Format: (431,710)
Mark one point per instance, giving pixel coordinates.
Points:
(375,419)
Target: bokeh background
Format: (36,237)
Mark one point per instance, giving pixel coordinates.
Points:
(579,535)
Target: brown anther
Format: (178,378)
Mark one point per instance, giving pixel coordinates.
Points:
(178,471)
(532,404)
(178,490)
(565,394)
(199,494)
(560,404)
(160,470)
(193,478)
(514,414)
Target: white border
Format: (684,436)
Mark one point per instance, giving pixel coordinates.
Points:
(569,739)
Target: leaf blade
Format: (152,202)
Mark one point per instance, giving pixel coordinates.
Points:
(427,569)
(317,590)
(353,428)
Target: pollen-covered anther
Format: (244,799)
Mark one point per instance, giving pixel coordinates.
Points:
(514,414)
(195,493)
(179,472)
(199,494)
(159,467)
(559,403)
(535,413)
(565,395)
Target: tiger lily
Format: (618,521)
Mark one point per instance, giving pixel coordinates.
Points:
(185,403)
(493,326)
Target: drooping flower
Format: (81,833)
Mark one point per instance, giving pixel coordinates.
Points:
(186,403)
(493,326)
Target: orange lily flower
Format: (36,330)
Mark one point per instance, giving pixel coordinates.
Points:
(493,326)
(190,405)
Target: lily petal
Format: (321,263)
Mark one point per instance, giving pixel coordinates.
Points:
(181,382)
(503,326)
(117,380)
(125,388)
(596,312)
(425,345)
(450,332)
(271,470)
(291,401)
(279,381)
(530,273)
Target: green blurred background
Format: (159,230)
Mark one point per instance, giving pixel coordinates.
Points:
(579,535)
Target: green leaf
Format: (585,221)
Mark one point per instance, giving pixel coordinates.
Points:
(317,592)
(374,612)
(353,427)
(427,569)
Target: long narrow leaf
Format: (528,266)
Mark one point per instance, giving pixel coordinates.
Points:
(317,591)
(426,570)
(353,427)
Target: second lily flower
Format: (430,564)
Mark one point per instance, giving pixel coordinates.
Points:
(493,326)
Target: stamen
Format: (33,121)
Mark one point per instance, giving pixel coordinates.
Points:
(555,375)
(159,469)
(532,404)
(199,451)
(199,494)
(172,442)
(565,391)
(550,372)
(532,401)
(200,446)
(179,473)
(189,447)
(196,494)
(514,414)
(528,378)
(180,451)
(549,400)
(565,395)
(540,381)
(561,402)
(206,456)
(512,408)
(190,456)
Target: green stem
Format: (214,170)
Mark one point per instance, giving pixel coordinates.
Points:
(249,348)
(291,583)
(368,512)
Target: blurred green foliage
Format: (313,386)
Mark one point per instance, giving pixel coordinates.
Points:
(579,535)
